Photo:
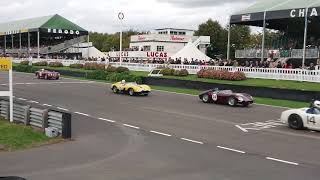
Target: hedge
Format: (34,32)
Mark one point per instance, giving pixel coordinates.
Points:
(116,77)
(41,63)
(97,74)
(24,63)
(94,66)
(76,66)
(221,75)
(55,64)
(172,72)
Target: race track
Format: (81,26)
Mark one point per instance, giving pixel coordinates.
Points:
(163,136)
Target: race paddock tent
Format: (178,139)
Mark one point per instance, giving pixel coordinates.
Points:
(298,20)
(40,36)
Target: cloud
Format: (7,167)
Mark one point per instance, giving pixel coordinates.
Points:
(101,15)
(202,3)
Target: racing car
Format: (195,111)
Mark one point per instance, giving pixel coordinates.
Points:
(304,118)
(226,97)
(45,74)
(131,88)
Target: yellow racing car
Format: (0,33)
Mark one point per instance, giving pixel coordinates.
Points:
(131,88)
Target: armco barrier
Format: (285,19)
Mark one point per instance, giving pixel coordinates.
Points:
(4,109)
(37,117)
(21,113)
(60,121)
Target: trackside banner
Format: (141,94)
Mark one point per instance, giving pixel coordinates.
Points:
(281,14)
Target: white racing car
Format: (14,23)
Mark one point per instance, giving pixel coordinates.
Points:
(308,118)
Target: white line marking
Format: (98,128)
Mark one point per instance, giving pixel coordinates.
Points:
(242,129)
(63,109)
(193,141)
(47,105)
(160,133)
(230,149)
(22,99)
(82,114)
(283,161)
(134,127)
(36,102)
(108,120)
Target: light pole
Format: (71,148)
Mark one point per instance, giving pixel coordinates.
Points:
(121,17)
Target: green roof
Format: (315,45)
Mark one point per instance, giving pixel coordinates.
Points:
(48,22)
(276,5)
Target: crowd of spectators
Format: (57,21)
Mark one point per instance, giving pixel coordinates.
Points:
(269,63)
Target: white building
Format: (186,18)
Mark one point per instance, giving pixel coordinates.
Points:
(161,44)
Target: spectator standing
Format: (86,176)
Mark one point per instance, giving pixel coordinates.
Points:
(312,67)
(279,65)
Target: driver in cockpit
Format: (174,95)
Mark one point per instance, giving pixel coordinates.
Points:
(314,107)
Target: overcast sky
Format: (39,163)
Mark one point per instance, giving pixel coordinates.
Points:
(101,15)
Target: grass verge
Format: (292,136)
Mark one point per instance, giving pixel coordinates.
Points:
(258,100)
(18,137)
(281,84)
(295,85)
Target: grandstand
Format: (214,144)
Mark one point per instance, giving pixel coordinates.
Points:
(48,36)
(296,20)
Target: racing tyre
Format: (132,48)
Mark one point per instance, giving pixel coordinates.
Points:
(206,98)
(232,101)
(46,77)
(245,104)
(38,76)
(57,78)
(115,90)
(131,92)
(295,122)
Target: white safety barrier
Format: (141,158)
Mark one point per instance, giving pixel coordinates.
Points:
(262,73)
(63,61)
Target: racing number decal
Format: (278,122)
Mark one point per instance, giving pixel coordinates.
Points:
(311,119)
(214,97)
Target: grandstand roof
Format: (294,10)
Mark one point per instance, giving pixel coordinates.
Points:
(47,22)
(276,9)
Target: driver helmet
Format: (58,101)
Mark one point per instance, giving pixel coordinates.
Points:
(42,69)
(123,81)
(316,104)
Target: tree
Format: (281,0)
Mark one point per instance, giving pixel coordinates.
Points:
(240,38)
(107,42)
(216,32)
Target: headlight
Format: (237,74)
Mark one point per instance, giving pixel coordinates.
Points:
(240,99)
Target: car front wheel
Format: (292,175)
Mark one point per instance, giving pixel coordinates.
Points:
(115,90)
(295,122)
(205,98)
(131,92)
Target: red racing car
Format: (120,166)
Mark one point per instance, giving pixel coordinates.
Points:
(226,97)
(45,74)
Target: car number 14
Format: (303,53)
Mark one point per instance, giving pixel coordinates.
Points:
(311,119)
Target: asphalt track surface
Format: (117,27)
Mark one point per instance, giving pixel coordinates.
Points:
(163,136)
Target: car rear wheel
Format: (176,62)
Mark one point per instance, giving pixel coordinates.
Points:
(295,122)
(205,98)
(115,90)
(232,101)
(57,78)
(131,92)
